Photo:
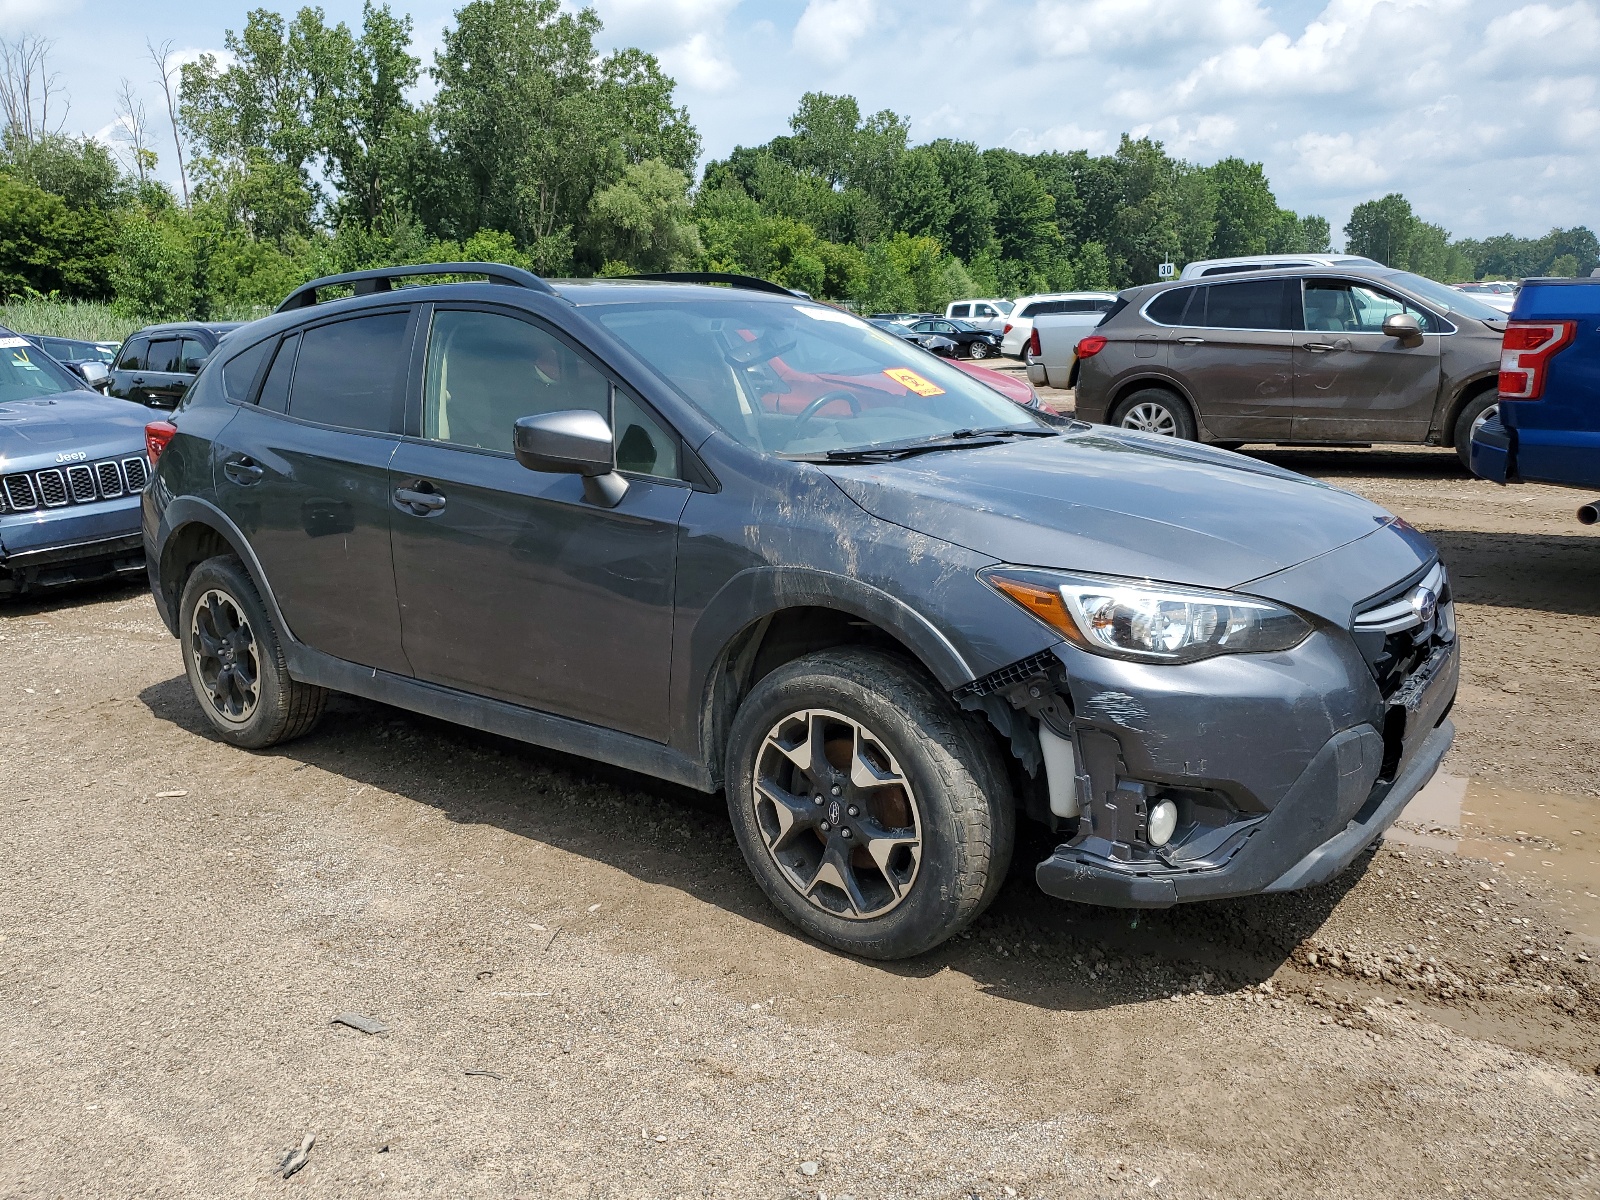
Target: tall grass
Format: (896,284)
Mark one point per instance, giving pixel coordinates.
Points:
(87,320)
(66,318)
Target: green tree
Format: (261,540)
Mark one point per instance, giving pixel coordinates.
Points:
(970,230)
(532,122)
(49,247)
(1024,223)
(1382,230)
(920,201)
(155,268)
(1246,211)
(644,220)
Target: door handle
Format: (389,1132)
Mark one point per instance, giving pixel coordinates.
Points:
(244,470)
(1318,347)
(1191,341)
(420,504)
(138,380)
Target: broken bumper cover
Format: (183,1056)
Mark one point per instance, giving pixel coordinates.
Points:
(1275,857)
(1492,452)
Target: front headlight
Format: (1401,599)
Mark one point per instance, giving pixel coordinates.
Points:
(1149,622)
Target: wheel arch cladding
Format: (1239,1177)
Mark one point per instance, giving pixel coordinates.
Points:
(766,617)
(194,531)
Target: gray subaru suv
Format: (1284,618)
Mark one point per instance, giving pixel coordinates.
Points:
(1341,355)
(737,539)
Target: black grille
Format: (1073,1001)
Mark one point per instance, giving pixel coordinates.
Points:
(81,483)
(52,488)
(19,492)
(109,477)
(81,480)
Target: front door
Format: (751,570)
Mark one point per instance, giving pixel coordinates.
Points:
(1352,382)
(1236,354)
(511,583)
(304,472)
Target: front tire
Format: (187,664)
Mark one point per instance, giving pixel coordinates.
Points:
(1474,413)
(875,814)
(234,660)
(1155,410)
(979,350)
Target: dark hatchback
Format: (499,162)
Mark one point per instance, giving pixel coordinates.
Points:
(743,541)
(156,365)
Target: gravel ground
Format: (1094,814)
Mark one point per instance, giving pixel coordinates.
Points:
(586,995)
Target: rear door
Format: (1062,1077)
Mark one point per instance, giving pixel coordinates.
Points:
(1352,382)
(511,583)
(304,472)
(161,382)
(1235,353)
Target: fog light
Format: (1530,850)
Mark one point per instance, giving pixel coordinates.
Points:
(1163,820)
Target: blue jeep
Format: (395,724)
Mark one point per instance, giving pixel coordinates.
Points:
(72,465)
(1546,426)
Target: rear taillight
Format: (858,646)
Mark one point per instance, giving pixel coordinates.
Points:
(1007,329)
(156,436)
(1525,353)
(1033,343)
(1091,345)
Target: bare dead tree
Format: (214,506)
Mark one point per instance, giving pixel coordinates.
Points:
(28,88)
(161,59)
(133,134)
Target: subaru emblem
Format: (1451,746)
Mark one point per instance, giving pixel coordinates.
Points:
(1424,603)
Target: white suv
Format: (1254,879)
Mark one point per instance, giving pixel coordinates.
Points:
(980,314)
(1019,325)
(1268,262)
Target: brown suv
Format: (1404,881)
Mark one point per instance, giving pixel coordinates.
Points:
(1350,355)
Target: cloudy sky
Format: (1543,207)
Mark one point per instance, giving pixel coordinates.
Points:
(1486,113)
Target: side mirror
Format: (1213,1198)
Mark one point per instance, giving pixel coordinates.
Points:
(573,442)
(1404,327)
(94,374)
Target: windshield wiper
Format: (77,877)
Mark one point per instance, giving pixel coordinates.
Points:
(960,439)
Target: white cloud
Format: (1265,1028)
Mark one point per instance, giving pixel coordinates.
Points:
(664,20)
(1539,37)
(1338,161)
(1062,137)
(1095,26)
(828,29)
(698,65)
(15,12)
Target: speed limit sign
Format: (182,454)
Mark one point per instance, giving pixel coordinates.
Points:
(1166,270)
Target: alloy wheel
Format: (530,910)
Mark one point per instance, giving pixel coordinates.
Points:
(225,657)
(837,814)
(1151,418)
(980,350)
(1483,419)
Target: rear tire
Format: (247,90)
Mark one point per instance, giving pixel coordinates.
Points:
(234,660)
(1476,410)
(1155,410)
(875,814)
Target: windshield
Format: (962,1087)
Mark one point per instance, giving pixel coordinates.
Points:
(1447,298)
(26,372)
(805,379)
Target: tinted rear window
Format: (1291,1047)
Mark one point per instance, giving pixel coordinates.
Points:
(275,388)
(349,373)
(1167,308)
(239,372)
(163,356)
(1248,304)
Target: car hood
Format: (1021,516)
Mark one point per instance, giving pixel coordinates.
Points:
(1111,502)
(49,430)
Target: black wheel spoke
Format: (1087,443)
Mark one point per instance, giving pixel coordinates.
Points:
(224,651)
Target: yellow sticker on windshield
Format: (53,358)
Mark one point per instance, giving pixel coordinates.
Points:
(913,382)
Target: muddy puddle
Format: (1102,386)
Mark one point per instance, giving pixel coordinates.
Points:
(1544,840)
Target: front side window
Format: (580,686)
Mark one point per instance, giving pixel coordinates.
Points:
(350,373)
(982,310)
(133,355)
(485,371)
(1248,304)
(1338,306)
(162,357)
(26,372)
(805,379)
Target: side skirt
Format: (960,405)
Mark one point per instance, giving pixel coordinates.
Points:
(498,717)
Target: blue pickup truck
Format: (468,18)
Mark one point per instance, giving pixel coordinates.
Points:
(1546,426)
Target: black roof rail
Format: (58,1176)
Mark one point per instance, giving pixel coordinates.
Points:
(749,282)
(366,283)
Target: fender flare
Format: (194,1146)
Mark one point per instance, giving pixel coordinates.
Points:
(185,512)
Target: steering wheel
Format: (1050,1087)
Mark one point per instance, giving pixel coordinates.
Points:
(811,410)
